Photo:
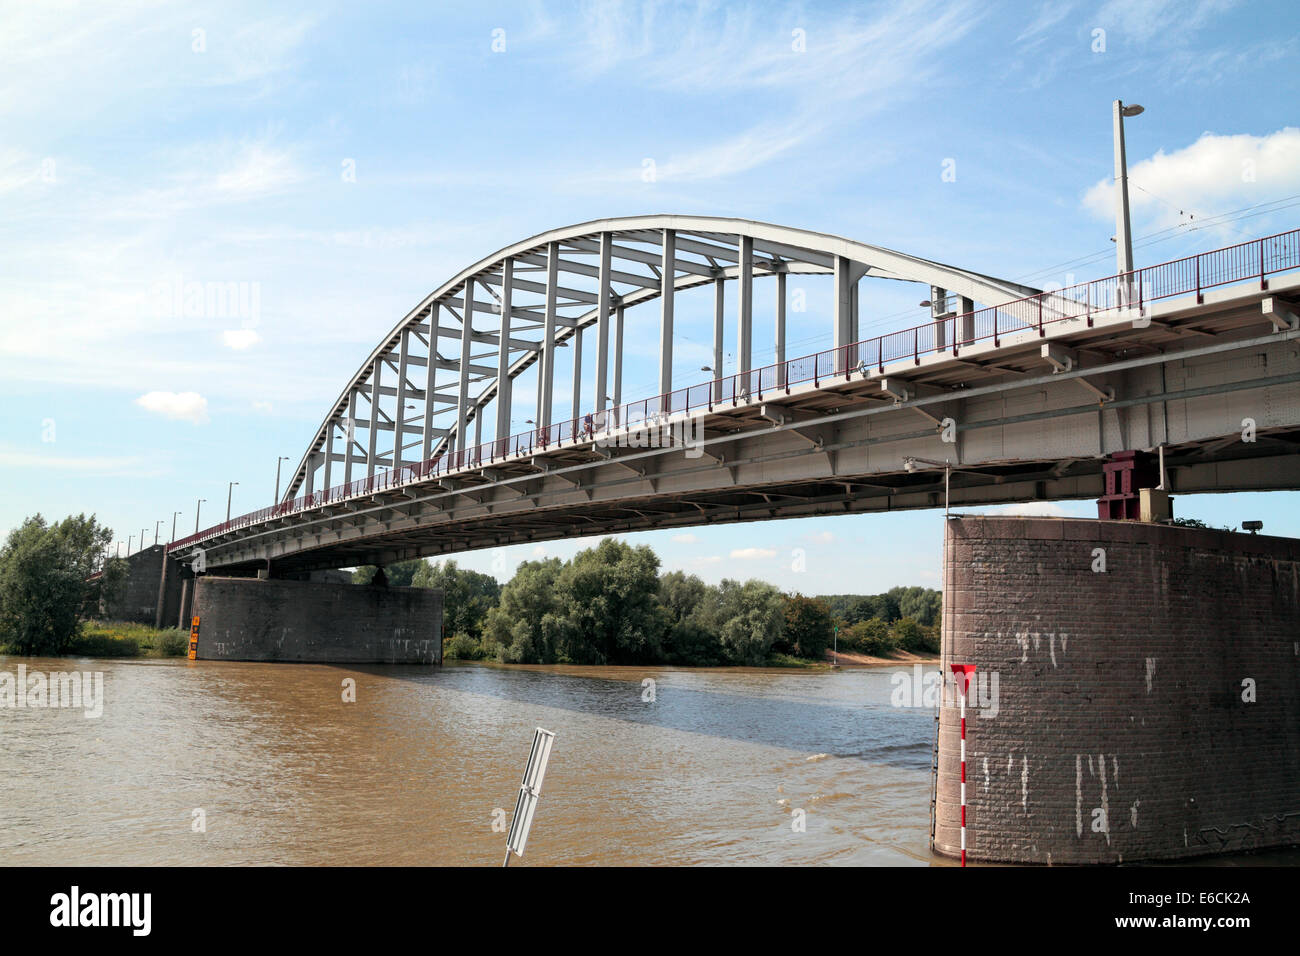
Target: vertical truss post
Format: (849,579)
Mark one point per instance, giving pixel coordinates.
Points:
(618,357)
(504,381)
(602,319)
(745,314)
(719,310)
(667,286)
(547,371)
(374,416)
(462,385)
(430,383)
(843,312)
(780,329)
(577,375)
(399,433)
(348,434)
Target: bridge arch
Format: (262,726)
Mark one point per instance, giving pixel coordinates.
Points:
(590,274)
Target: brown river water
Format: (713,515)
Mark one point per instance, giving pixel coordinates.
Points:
(417,769)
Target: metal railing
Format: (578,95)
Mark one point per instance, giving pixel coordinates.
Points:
(1248,261)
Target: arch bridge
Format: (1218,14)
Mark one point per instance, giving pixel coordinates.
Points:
(1005,393)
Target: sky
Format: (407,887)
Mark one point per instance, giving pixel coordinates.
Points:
(338,162)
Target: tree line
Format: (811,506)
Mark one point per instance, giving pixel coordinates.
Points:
(611,604)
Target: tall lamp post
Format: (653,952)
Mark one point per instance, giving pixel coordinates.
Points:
(174,514)
(230,490)
(197,506)
(1123,234)
(276,499)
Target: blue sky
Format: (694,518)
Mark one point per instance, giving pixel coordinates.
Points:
(342,161)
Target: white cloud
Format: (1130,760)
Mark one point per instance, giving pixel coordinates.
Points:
(181,406)
(1215,174)
(686,538)
(262,406)
(752,554)
(539,551)
(240,338)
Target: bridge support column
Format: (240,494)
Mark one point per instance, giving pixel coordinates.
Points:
(1139,702)
(248,619)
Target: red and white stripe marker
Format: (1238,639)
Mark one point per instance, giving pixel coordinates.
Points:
(963,673)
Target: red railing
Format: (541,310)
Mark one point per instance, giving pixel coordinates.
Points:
(1247,261)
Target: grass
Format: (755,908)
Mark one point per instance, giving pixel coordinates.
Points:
(787,660)
(127,639)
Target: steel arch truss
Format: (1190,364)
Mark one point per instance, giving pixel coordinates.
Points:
(460,351)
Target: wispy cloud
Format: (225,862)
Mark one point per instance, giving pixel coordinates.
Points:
(179,406)
(817,66)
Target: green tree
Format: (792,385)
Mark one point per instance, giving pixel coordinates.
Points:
(524,626)
(916,602)
(612,609)
(43,586)
(908,634)
(748,619)
(807,627)
(690,606)
(467,596)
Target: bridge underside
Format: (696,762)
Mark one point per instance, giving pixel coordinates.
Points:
(1215,383)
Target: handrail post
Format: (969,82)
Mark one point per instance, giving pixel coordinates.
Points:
(1263,283)
(1041,333)
(1199,298)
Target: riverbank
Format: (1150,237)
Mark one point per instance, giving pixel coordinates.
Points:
(855,659)
(125,639)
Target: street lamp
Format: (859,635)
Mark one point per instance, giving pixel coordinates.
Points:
(1123,235)
(174,514)
(129,539)
(142,531)
(197,506)
(156,525)
(911,461)
(230,490)
(277,478)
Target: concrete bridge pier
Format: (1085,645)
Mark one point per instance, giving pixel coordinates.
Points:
(266,619)
(1137,692)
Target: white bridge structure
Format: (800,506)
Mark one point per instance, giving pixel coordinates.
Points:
(1005,394)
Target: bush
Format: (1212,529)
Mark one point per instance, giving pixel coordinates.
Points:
(103,645)
(871,636)
(462,647)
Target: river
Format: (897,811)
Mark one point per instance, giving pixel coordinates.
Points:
(279,769)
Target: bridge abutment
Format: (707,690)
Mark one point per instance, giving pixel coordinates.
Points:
(1137,693)
(257,619)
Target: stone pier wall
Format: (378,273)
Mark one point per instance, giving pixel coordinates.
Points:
(1137,693)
